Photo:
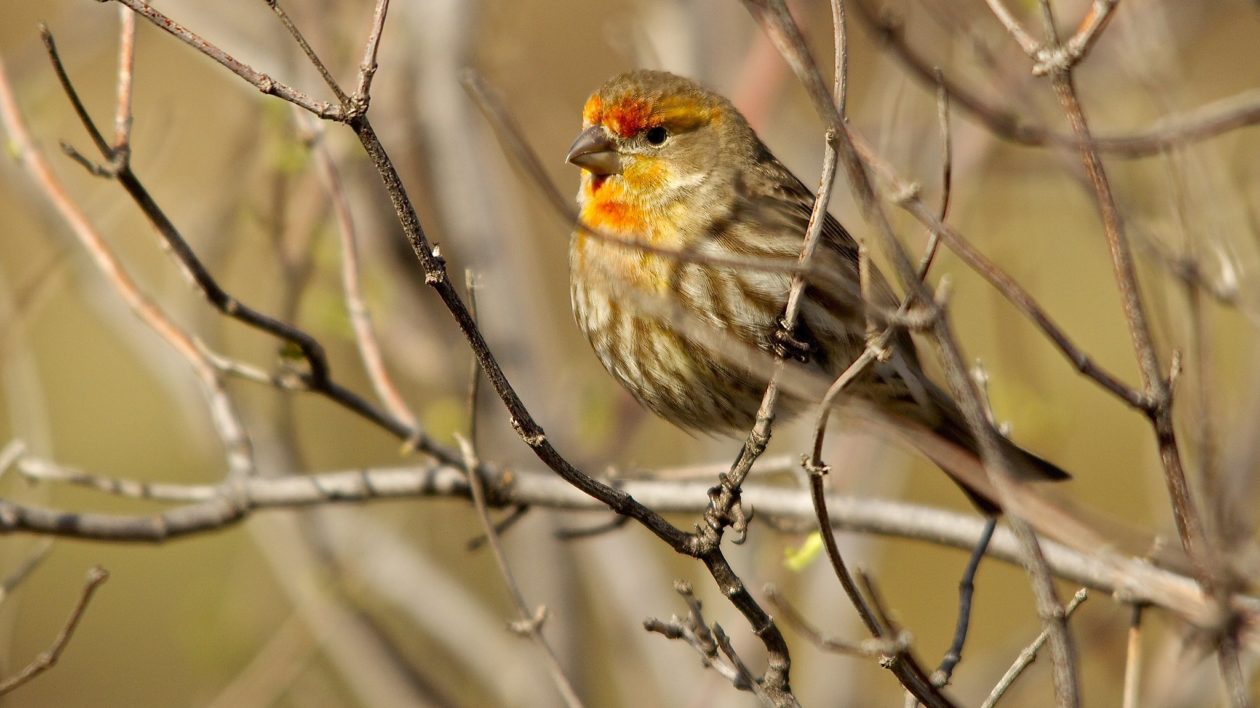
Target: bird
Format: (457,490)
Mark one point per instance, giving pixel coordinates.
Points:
(678,200)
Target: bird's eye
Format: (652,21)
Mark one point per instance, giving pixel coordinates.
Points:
(656,135)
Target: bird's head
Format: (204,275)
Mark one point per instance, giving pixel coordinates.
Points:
(650,138)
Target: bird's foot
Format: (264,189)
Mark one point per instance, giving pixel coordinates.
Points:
(788,346)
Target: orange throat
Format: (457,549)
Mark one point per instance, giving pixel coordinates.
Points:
(606,209)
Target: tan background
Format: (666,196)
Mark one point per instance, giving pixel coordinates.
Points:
(84,384)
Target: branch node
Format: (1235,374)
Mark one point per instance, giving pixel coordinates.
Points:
(1174,371)
(94,168)
(532,435)
(908,192)
(528,626)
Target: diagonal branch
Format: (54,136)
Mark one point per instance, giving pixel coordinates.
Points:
(1207,122)
(257,79)
(530,432)
(783,31)
(48,658)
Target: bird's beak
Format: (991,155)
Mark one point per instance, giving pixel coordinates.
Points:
(594,150)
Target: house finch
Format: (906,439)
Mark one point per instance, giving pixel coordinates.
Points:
(674,166)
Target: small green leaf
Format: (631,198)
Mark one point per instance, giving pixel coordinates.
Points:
(799,558)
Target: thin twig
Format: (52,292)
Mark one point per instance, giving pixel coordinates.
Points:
(1013,27)
(259,80)
(818,495)
(1090,29)
(356,307)
(501,526)
(947,174)
(840,42)
(24,570)
(874,647)
(223,414)
(573,533)
(1155,383)
(725,508)
(367,67)
(311,56)
(826,405)
(775,19)
(531,621)
(48,658)
(79,109)
(1133,660)
(1029,654)
(966,589)
(1000,280)
(1207,122)
(711,644)
(126,74)
(724,643)
(902,663)
(474,370)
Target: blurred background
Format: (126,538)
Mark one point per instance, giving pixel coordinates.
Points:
(382,603)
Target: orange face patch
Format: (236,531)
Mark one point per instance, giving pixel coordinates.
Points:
(604,208)
(593,111)
(628,117)
(613,217)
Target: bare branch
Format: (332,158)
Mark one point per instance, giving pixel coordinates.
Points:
(1207,122)
(695,631)
(259,80)
(15,448)
(872,648)
(24,570)
(1090,29)
(1156,384)
(529,627)
(46,660)
(223,413)
(367,67)
(1029,655)
(1129,579)
(746,676)
(1013,27)
(311,56)
(126,74)
(902,664)
(1002,281)
(773,15)
(966,589)
(360,318)
(1133,660)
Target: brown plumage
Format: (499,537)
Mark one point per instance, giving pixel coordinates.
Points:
(675,166)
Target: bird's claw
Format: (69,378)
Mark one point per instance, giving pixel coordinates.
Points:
(788,346)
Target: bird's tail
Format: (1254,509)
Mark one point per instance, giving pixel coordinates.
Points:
(933,424)
(960,456)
